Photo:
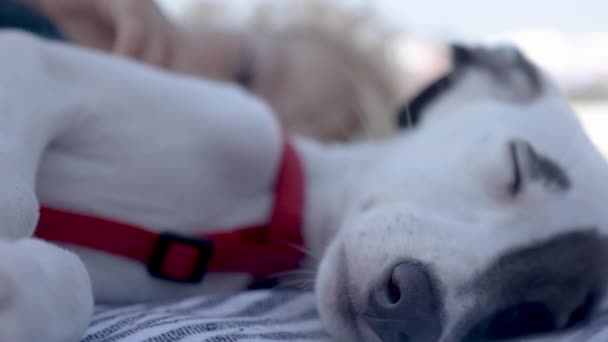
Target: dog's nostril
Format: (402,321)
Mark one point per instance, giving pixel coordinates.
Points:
(408,280)
(393,292)
(404,306)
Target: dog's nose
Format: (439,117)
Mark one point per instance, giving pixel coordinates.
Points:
(405,307)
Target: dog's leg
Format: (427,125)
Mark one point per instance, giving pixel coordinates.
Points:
(45,292)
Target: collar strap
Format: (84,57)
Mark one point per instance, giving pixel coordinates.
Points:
(261,251)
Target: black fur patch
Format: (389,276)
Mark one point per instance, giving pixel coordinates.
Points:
(531,166)
(544,169)
(537,288)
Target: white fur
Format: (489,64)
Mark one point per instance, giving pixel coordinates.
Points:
(440,196)
(104,136)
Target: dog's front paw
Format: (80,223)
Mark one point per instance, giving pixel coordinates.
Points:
(45,293)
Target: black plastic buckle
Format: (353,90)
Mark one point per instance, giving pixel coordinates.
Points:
(165,240)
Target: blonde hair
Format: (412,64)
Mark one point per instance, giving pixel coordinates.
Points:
(355,35)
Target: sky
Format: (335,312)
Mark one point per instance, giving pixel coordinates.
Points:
(474,19)
(479,18)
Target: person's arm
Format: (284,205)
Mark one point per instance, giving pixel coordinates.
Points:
(132,28)
(138,29)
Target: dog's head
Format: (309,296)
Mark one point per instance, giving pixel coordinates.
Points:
(483,222)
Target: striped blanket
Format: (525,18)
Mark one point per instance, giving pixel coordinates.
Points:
(251,316)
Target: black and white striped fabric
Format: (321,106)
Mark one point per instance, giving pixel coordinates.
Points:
(251,316)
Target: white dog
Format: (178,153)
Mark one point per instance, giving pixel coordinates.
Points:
(484,221)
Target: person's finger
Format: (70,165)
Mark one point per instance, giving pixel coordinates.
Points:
(160,41)
(127,23)
(170,48)
(79,21)
(130,39)
(155,49)
(142,32)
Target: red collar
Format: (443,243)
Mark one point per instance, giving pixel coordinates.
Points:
(261,251)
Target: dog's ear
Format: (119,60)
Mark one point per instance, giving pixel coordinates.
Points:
(510,68)
(501,73)
(411,112)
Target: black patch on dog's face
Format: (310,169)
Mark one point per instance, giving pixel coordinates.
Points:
(545,170)
(538,288)
(530,166)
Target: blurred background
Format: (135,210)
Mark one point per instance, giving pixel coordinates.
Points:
(569,39)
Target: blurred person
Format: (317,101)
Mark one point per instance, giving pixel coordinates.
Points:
(314,69)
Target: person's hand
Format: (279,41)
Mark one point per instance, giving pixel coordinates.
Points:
(132,28)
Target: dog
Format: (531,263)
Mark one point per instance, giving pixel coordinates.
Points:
(482,221)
